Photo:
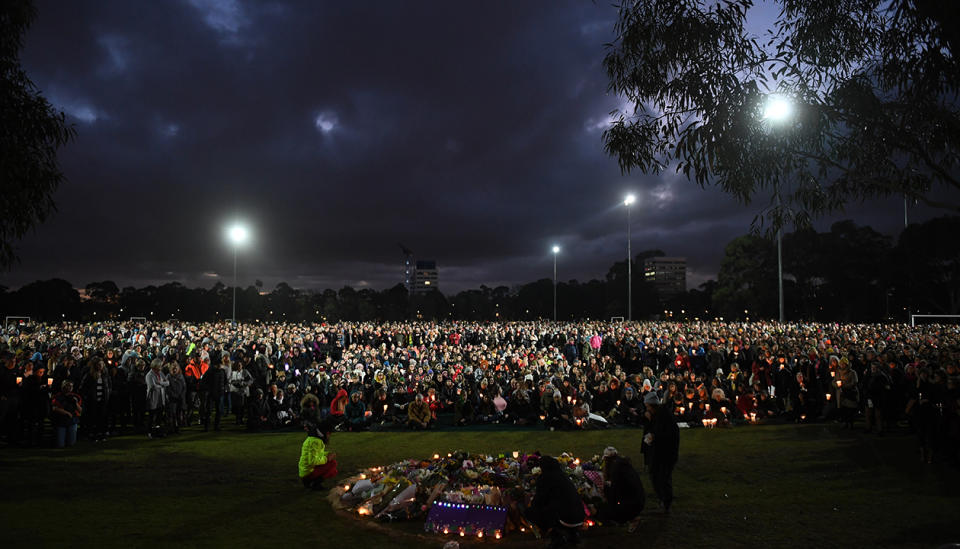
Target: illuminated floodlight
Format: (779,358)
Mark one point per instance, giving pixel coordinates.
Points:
(556,249)
(238,234)
(777,109)
(630,199)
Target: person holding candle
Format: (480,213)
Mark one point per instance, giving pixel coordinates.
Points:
(848,392)
(355,413)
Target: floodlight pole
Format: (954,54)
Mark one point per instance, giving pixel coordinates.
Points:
(554,285)
(234,316)
(780,254)
(629,270)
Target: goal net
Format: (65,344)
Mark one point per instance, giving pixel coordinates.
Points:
(934,319)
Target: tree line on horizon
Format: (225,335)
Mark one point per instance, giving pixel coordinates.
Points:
(849,273)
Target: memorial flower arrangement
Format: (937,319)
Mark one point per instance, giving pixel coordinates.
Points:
(506,482)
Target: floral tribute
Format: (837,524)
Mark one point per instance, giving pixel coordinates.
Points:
(476,495)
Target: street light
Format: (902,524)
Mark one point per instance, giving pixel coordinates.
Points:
(237,234)
(628,201)
(556,250)
(778,109)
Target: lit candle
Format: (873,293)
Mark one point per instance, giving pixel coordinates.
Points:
(707,406)
(618,403)
(839,383)
(436,456)
(346,487)
(569,399)
(49,381)
(723,410)
(496,534)
(19,379)
(516,454)
(828,396)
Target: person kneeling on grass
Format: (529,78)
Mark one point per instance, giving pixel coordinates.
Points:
(315,463)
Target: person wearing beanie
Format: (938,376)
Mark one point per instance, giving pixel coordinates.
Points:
(558,413)
(355,413)
(630,408)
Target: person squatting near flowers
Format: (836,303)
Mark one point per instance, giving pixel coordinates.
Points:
(315,464)
(622,490)
(557,508)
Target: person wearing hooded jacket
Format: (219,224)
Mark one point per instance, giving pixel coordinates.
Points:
(664,439)
(622,490)
(556,505)
(316,464)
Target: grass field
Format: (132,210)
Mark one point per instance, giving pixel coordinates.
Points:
(759,486)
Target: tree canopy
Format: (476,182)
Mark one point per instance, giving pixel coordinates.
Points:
(31,131)
(873,86)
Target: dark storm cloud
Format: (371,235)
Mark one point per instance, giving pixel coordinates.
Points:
(469,133)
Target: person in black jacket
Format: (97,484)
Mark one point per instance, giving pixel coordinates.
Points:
(622,490)
(213,385)
(664,439)
(556,505)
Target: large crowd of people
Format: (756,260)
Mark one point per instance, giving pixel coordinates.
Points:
(155,378)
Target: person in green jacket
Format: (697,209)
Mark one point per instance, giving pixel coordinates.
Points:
(316,464)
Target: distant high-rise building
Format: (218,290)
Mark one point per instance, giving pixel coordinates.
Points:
(667,274)
(425,277)
(407,268)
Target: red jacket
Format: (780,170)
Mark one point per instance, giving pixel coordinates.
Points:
(339,402)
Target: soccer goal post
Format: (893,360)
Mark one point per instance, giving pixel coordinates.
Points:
(17,319)
(913,318)
(138,319)
(616,319)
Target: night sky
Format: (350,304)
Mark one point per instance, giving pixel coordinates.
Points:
(471,133)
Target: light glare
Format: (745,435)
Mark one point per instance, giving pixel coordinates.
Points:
(630,199)
(556,249)
(238,234)
(777,108)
